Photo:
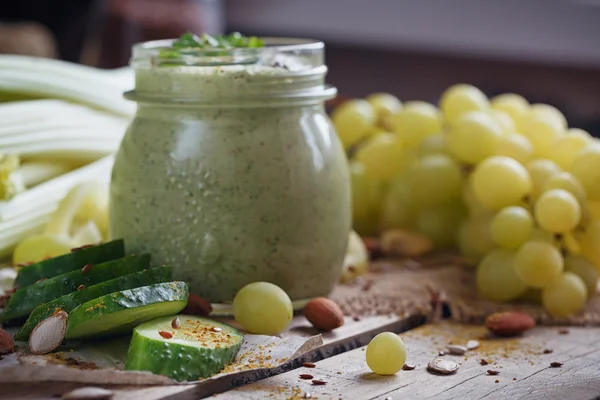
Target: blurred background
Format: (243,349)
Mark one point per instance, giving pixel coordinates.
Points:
(546,50)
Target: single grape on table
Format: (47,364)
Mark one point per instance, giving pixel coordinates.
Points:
(262,308)
(508,184)
(386,354)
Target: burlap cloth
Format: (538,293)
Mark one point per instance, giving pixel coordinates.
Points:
(406,287)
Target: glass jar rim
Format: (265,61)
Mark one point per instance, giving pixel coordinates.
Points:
(150,52)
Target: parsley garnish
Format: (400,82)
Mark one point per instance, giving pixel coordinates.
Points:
(217,46)
(206,41)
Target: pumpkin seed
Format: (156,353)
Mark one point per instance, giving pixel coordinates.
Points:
(472,344)
(442,366)
(89,393)
(457,350)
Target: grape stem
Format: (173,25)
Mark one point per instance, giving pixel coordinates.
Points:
(437,299)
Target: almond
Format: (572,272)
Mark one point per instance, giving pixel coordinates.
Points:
(324,314)
(398,242)
(6,342)
(197,305)
(509,323)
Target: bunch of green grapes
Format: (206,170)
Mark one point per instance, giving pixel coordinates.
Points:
(506,182)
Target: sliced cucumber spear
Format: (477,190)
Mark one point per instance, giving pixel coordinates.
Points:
(120,312)
(26,299)
(69,262)
(197,348)
(68,302)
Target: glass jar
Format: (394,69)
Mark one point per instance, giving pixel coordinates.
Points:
(231,171)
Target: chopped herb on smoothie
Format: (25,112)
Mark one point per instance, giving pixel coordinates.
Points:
(189,42)
(235,39)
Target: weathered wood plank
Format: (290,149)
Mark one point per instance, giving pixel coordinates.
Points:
(351,335)
(524,370)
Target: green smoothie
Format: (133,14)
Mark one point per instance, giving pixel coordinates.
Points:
(233,174)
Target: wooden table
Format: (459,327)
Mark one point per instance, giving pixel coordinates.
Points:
(523,365)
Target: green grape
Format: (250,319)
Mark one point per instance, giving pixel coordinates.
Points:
(474,137)
(540,170)
(513,104)
(375,130)
(581,267)
(440,223)
(416,121)
(540,235)
(386,354)
(474,207)
(506,122)
(352,120)
(384,105)
(497,278)
(586,168)
(589,243)
(511,227)
(382,156)
(565,181)
(515,146)
(565,297)
(541,134)
(474,237)
(538,264)
(571,243)
(532,295)
(593,209)
(366,197)
(499,182)
(461,98)
(564,149)
(579,132)
(436,179)
(557,211)
(433,144)
(398,207)
(550,113)
(262,308)
(420,103)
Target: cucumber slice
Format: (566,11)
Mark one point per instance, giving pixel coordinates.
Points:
(26,299)
(120,312)
(68,302)
(70,262)
(194,351)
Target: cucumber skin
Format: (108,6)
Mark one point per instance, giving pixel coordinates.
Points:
(68,302)
(124,300)
(69,262)
(26,299)
(179,362)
